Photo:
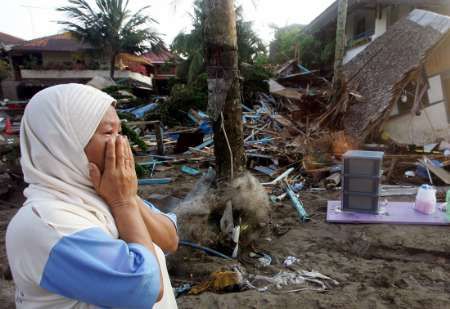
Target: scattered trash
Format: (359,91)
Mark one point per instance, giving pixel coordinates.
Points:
(190,171)
(285,278)
(182,289)
(263,258)
(429,148)
(279,178)
(289,261)
(221,281)
(205,249)
(140,111)
(331,182)
(447,205)
(265,170)
(441,173)
(303,216)
(296,187)
(410,174)
(387,190)
(154,181)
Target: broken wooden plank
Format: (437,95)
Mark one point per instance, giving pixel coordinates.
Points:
(159,132)
(154,181)
(392,190)
(141,123)
(208,142)
(391,169)
(332,181)
(441,173)
(190,171)
(265,170)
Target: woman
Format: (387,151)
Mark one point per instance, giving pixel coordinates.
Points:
(83,238)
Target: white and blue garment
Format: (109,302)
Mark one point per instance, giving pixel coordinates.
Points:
(63,246)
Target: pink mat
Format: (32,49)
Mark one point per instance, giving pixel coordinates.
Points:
(393,213)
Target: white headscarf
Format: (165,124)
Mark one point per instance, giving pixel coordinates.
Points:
(58,123)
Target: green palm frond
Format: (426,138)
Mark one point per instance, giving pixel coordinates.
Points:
(110,25)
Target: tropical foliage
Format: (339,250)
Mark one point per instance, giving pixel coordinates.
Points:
(190,46)
(111,27)
(4,69)
(291,41)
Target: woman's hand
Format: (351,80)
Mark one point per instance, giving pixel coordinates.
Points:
(118,183)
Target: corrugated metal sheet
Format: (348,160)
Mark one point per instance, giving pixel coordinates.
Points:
(438,22)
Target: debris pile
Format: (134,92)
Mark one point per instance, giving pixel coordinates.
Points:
(10,171)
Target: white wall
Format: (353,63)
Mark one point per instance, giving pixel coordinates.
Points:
(381,23)
(420,130)
(82,74)
(411,129)
(435,93)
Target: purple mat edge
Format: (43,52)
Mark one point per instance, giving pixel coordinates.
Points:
(365,221)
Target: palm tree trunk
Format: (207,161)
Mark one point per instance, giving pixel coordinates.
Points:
(112,65)
(340,42)
(223,84)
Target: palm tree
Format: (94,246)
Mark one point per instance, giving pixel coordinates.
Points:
(224,105)
(110,27)
(218,39)
(340,43)
(190,46)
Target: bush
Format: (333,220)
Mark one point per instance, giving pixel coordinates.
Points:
(182,98)
(4,69)
(255,77)
(133,137)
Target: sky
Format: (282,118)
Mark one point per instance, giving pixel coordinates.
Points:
(30,19)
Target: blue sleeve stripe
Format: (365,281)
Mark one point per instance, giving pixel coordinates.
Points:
(172,217)
(94,268)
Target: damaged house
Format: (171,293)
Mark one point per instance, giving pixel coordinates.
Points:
(397,61)
(163,69)
(369,19)
(404,79)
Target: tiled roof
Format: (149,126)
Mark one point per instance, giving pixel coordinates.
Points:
(161,56)
(7,39)
(58,42)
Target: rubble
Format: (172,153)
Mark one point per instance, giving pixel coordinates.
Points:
(291,148)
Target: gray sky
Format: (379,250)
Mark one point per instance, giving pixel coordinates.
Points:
(29,19)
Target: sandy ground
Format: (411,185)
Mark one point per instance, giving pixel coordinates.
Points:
(378,266)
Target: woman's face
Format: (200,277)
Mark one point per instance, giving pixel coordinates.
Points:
(109,127)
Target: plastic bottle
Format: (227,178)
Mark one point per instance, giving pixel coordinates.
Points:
(426,200)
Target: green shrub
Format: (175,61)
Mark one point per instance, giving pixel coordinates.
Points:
(182,98)
(133,137)
(254,80)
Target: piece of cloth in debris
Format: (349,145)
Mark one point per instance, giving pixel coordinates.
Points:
(62,245)
(218,88)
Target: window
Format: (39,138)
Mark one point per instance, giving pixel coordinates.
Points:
(360,26)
